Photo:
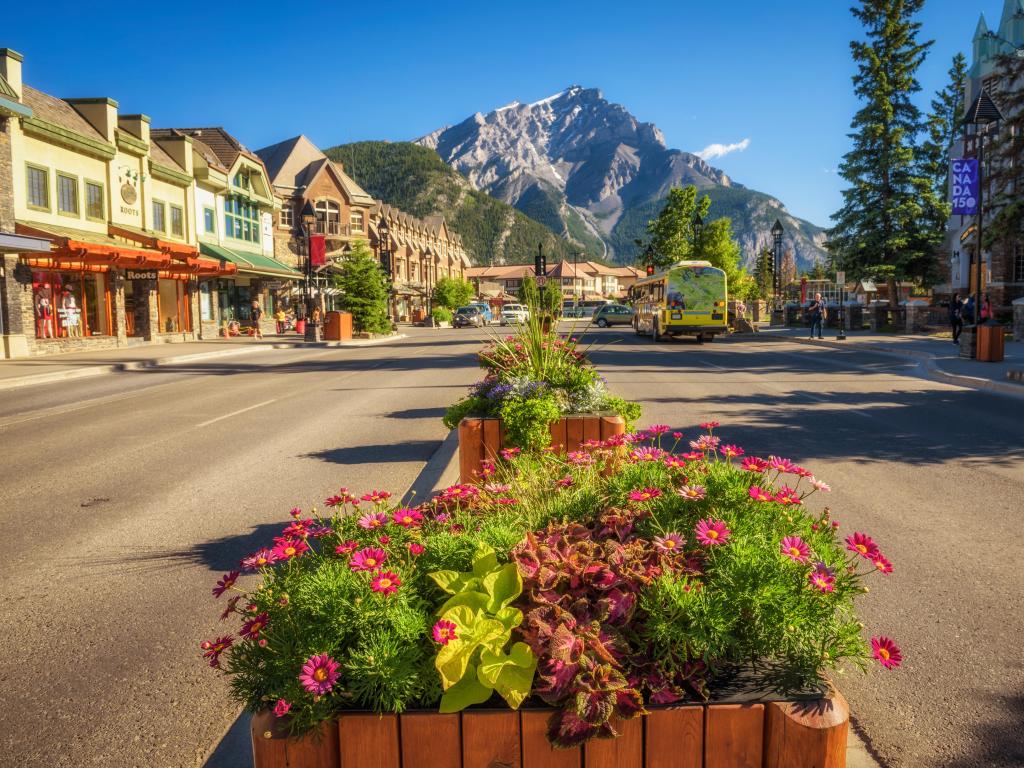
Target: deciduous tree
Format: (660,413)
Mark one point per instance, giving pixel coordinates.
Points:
(452,292)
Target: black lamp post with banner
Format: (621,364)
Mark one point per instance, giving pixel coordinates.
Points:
(384,242)
(308,220)
(777,232)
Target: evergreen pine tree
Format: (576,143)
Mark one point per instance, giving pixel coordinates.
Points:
(764,273)
(365,291)
(882,230)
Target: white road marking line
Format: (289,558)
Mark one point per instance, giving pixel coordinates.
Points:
(236,413)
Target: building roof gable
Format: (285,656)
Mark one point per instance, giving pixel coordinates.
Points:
(58,112)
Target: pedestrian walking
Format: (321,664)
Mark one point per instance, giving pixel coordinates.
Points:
(255,315)
(986,309)
(956,317)
(968,310)
(281,319)
(817,312)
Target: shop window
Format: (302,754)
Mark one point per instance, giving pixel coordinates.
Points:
(210,221)
(70,304)
(67,194)
(241,219)
(177,221)
(172,306)
(285,219)
(205,303)
(94,207)
(159,214)
(38,182)
(328,217)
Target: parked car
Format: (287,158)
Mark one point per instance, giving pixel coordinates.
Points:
(485,310)
(468,317)
(613,314)
(512,314)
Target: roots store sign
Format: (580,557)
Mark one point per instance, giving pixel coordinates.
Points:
(965,186)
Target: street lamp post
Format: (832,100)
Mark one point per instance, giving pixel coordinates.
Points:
(698,231)
(777,232)
(308,219)
(982,114)
(383,231)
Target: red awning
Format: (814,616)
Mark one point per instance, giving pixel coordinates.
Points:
(186,256)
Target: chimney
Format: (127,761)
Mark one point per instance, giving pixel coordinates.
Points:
(179,147)
(10,68)
(101,112)
(136,125)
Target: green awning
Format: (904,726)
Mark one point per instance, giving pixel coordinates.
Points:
(248,261)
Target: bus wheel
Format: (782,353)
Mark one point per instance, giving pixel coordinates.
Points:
(700,338)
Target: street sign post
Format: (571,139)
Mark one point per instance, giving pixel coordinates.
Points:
(840,285)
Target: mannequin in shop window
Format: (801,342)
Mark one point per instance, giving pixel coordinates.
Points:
(44,315)
(70,315)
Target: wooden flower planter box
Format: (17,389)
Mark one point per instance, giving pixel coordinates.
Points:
(788,734)
(481,439)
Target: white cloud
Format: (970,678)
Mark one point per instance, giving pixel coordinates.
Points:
(711,151)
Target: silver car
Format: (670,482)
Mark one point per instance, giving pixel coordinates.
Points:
(513,314)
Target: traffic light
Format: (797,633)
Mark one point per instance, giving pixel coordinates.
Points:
(650,270)
(540,264)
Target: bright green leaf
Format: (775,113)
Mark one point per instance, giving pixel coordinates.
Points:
(484,561)
(511,675)
(510,617)
(503,586)
(453,581)
(475,601)
(465,693)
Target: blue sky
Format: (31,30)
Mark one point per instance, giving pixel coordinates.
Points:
(775,75)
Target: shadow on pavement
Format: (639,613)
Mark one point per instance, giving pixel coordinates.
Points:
(997,744)
(235,749)
(384,453)
(417,413)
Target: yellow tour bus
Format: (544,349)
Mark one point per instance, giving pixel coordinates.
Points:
(689,298)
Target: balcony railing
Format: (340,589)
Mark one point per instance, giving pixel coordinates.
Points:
(337,229)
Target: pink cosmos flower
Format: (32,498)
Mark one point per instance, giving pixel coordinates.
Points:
(286,549)
(646,453)
(732,451)
(705,443)
(645,494)
(407,518)
(565,482)
(674,462)
(376,496)
(372,520)
(226,583)
(712,532)
(882,564)
(658,429)
(416,549)
(669,543)
(822,578)
(319,674)
(787,495)
(368,559)
(281,708)
(385,582)
(710,425)
(252,628)
(510,453)
(757,493)
(693,492)
(886,652)
(863,545)
(212,649)
(795,549)
(346,547)
(579,458)
(444,632)
(754,464)
(259,559)
(782,465)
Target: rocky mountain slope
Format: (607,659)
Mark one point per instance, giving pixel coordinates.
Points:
(587,168)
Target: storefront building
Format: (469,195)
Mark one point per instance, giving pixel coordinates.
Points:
(234,209)
(123,265)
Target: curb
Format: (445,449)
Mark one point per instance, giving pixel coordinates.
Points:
(930,365)
(334,344)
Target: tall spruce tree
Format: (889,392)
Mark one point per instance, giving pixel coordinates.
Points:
(882,229)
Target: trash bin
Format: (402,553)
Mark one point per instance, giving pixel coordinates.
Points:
(338,326)
(990,343)
(300,327)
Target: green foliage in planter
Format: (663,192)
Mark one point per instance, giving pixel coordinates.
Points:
(474,663)
(441,314)
(527,420)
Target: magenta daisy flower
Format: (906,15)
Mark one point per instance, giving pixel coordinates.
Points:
(677,435)
(782,465)
(705,443)
(444,632)
(644,494)
(510,453)
(693,456)
(226,583)
(712,532)
(795,549)
(669,544)
(674,462)
(693,492)
(212,649)
(882,564)
(281,708)
(498,489)
(579,458)
(377,497)
(822,578)
(286,549)
(334,501)
(658,429)
(732,451)
(372,520)
(386,582)
(297,528)
(863,545)
(614,441)
(801,472)
(754,464)
(252,628)
(487,468)
(565,482)
(259,559)
(460,491)
(710,425)
(787,495)
(295,511)
(407,518)
(507,501)
(416,549)
(886,652)
(757,493)
(368,559)
(319,674)
(345,547)
(646,453)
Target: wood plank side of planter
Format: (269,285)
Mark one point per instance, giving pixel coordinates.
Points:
(806,734)
(626,751)
(366,740)
(318,750)
(574,432)
(269,741)
(674,738)
(431,740)
(612,425)
(558,439)
(591,428)
(471,448)
(491,740)
(492,439)
(733,736)
(537,750)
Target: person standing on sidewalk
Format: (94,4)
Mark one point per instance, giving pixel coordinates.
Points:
(256,315)
(956,317)
(817,312)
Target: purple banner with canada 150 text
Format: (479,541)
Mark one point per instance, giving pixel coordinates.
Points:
(965,186)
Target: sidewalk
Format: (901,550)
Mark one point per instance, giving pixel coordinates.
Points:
(940,358)
(27,371)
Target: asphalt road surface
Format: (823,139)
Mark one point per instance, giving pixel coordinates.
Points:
(127,495)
